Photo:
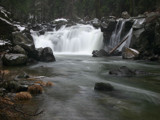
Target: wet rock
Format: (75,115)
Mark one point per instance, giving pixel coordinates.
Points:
(46,54)
(129,53)
(23,75)
(103,53)
(103,87)
(27,44)
(22,88)
(11,86)
(18,49)
(96,23)
(14,59)
(100,53)
(125,15)
(122,71)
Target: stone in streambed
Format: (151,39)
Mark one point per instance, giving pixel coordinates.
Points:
(103,87)
(46,54)
(14,59)
(122,71)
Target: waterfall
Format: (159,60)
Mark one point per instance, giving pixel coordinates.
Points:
(117,37)
(77,39)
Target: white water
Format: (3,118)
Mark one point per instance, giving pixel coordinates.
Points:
(77,39)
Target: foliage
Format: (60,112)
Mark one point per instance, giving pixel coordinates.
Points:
(46,10)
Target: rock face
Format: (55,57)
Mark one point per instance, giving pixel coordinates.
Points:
(107,27)
(103,87)
(146,37)
(46,54)
(129,53)
(14,59)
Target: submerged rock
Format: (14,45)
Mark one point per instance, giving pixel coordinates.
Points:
(46,54)
(14,59)
(125,71)
(122,71)
(100,86)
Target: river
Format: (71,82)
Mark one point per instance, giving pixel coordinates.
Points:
(73,96)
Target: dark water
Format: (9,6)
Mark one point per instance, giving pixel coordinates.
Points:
(73,97)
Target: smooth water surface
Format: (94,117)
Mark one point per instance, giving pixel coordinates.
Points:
(73,96)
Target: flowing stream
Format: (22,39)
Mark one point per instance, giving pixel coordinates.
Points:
(73,96)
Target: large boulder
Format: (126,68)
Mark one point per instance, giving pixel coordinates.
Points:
(18,49)
(27,44)
(146,39)
(96,22)
(129,53)
(107,27)
(14,59)
(46,54)
(100,86)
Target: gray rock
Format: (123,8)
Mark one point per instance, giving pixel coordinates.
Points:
(18,49)
(14,59)
(129,53)
(46,54)
(27,44)
(11,86)
(96,23)
(122,71)
(103,87)
(125,15)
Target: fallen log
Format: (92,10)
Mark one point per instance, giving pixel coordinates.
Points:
(110,52)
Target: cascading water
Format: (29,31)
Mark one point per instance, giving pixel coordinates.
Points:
(117,37)
(77,39)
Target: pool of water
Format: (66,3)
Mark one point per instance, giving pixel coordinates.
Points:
(73,96)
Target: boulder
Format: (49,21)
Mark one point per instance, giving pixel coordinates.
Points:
(99,53)
(100,86)
(122,71)
(103,53)
(125,15)
(14,59)
(129,53)
(11,86)
(46,54)
(96,23)
(107,27)
(18,49)
(27,44)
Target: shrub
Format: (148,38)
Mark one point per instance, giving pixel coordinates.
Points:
(48,84)
(35,89)
(23,96)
